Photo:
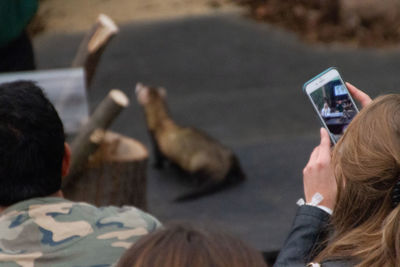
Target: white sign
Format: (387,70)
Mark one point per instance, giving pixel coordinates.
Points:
(65,88)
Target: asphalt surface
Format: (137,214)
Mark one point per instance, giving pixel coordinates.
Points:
(241,82)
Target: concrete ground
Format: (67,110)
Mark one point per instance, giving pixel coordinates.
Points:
(241,82)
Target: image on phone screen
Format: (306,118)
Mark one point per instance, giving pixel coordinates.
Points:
(335,106)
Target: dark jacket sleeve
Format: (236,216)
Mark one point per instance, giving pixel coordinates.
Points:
(308,228)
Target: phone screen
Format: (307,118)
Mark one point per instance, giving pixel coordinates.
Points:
(333,103)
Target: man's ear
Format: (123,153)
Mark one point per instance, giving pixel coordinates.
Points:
(66,160)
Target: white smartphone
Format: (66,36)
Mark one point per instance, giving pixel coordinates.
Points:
(332,102)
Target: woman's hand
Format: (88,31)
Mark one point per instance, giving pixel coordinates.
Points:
(318,174)
(358,95)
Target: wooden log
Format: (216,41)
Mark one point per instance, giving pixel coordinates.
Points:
(114,175)
(93,46)
(82,146)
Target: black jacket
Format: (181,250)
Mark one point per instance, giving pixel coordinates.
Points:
(304,240)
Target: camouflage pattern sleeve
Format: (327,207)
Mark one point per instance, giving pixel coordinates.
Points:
(57,232)
(130,217)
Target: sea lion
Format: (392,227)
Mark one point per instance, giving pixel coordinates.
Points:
(193,151)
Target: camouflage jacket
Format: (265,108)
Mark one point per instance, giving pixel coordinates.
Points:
(57,232)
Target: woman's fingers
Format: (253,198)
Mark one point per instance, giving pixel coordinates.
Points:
(324,154)
(359,95)
(318,175)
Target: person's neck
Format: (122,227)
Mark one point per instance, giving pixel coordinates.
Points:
(59,193)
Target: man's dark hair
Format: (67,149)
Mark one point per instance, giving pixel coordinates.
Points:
(31,143)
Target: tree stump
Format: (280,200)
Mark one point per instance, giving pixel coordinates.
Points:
(114,175)
(87,141)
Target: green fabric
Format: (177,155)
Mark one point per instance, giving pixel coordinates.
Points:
(56,232)
(14,17)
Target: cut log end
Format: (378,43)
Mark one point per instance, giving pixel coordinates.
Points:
(104,29)
(109,23)
(119,148)
(119,97)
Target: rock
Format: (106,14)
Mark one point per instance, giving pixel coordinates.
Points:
(357,22)
(355,11)
(214,3)
(263,11)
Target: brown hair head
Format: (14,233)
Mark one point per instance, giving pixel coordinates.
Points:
(366,162)
(182,245)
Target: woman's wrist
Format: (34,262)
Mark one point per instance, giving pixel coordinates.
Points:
(316,201)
